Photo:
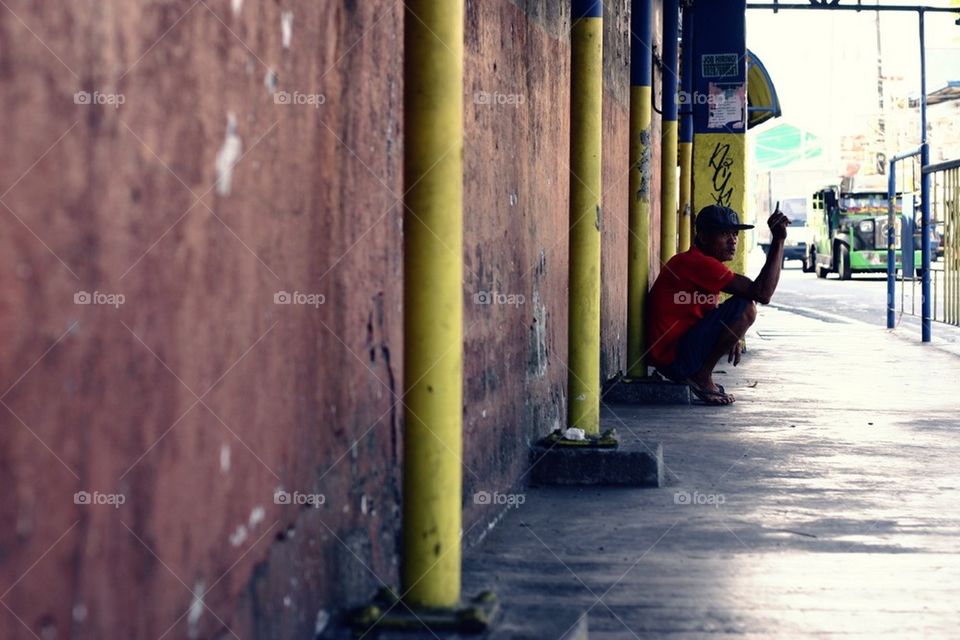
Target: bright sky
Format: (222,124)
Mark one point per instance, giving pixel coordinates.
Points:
(824,63)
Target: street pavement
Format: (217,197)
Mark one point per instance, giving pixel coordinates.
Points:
(862,298)
(824,503)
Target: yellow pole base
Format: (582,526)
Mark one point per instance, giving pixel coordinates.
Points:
(433,302)
(586,104)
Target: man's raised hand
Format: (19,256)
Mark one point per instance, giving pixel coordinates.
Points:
(778,224)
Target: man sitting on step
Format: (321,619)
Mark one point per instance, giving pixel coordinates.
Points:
(689,331)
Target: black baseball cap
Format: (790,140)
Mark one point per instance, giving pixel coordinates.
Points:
(715,217)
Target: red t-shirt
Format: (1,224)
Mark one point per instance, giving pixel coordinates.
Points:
(687,288)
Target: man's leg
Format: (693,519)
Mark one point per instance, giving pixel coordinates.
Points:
(732,332)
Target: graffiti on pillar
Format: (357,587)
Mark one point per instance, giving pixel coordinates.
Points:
(721,163)
(643,166)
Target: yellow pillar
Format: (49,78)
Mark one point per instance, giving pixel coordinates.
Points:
(638,242)
(586,87)
(720,110)
(668,191)
(433,301)
(720,177)
(686,181)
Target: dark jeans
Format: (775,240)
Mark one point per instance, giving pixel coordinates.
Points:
(697,343)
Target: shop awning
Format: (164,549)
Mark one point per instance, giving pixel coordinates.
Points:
(762,102)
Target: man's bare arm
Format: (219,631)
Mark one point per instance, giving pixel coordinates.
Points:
(761,290)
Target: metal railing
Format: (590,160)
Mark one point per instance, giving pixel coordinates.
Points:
(939,238)
(893,242)
(945,218)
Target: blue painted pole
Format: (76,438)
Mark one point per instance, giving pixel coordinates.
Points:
(685,145)
(671,26)
(686,77)
(641,37)
(924,191)
(891,244)
(668,125)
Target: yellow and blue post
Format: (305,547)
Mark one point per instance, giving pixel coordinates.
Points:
(433,302)
(686,127)
(668,145)
(638,243)
(720,110)
(926,324)
(586,103)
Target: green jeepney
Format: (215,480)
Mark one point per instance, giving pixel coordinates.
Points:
(849,233)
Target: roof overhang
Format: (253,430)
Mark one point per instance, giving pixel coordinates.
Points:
(762,101)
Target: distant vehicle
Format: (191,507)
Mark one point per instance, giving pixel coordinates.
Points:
(798,236)
(849,233)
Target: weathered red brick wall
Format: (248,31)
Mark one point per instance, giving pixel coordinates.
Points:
(196,397)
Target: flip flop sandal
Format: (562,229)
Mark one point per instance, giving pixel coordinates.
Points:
(712,399)
(716,398)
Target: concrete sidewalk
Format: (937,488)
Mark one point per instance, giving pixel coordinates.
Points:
(823,503)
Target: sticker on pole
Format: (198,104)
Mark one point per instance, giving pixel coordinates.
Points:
(719,65)
(727,106)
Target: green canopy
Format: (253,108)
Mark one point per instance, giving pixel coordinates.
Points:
(782,145)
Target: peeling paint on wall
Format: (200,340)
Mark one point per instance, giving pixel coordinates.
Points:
(196,610)
(270,81)
(224,458)
(228,156)
(643,192)
(321,622)
(99,218)
(286,28)
(537,361)
(538,336)
(239,536)
(256,516)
